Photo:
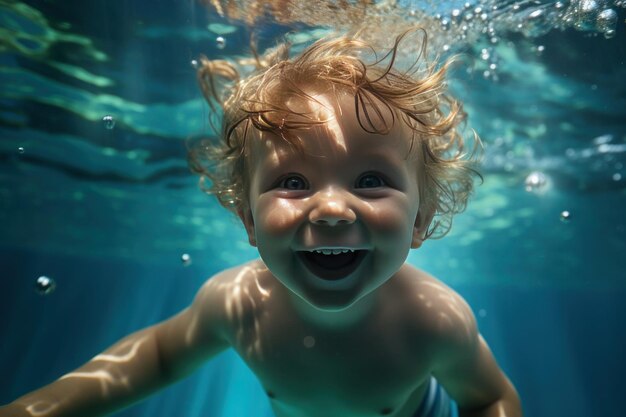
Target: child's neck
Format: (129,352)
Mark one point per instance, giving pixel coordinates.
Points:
(335,320)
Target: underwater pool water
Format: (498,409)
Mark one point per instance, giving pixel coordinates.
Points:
(98,99)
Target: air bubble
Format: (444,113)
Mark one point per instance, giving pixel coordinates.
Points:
(194,64)
(185,259)
(309,341)
(535,182)
(609,34)
(220,42)
(566,216)
(617,176)
(606,21)
(109,122)
(20,150)
(45,285)
(228,198)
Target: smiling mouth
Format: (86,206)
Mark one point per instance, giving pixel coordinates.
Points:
(330,265)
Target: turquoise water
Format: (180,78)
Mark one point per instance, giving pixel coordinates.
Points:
(108,208)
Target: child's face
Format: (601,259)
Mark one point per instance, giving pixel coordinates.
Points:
(349,190)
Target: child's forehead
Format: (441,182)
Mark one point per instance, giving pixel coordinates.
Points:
(334,118)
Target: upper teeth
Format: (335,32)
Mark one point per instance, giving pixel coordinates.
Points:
(332,251)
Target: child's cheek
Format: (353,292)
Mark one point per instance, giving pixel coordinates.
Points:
(391,216)
(277,216)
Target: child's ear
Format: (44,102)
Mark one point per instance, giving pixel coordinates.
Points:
(248,222)
(422,221)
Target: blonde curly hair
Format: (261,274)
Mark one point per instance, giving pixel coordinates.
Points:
(415,96)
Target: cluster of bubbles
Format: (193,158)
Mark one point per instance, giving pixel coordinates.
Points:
(45,285)
(228,198)
(486,19)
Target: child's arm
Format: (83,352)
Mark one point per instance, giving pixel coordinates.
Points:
(134,367)
(468,371)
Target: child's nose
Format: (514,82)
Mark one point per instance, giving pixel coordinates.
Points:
(331,209)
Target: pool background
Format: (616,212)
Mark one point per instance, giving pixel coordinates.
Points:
(107,213)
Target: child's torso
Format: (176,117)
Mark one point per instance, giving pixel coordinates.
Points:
(373,370)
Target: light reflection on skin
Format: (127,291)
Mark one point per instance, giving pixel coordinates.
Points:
(127,352)
(452,306)
(236,293)
(41,408)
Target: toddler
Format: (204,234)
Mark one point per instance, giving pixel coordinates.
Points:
(337,167)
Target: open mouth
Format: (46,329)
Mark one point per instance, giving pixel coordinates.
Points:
(332,264)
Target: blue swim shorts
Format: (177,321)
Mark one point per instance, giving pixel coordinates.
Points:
(436,403)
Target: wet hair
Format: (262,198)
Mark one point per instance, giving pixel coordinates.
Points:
(261,101)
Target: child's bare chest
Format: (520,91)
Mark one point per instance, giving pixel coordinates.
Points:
(311,373)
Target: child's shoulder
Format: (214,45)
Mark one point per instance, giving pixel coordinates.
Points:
(435,310)
(238,288)
(235,282)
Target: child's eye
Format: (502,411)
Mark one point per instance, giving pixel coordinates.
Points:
(370,181)
(293,182)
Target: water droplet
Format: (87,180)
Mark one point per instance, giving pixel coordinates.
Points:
(45,285)
(535,181)
(109,122)
(186,259)
(220,42)
(309,341)
(20,150)
(566,216)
